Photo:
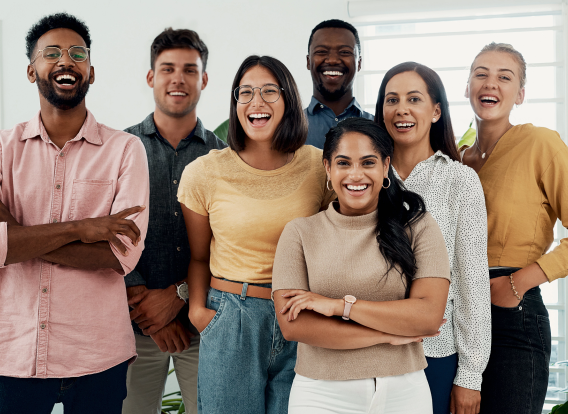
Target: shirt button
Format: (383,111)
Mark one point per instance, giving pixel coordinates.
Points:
(61,154)
(175,181)
(179,249)
(42,326)
(176,214)
(176,153)
(55,220)
(321,106)
(336,119)
(58,186)
(44,290)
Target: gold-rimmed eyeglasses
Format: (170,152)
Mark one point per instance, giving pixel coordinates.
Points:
(53,54)
(270,93)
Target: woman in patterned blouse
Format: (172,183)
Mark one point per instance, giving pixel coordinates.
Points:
(413,107)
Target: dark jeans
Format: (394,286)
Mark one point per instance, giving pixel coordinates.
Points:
(440,374)
(90,394)
(516,377)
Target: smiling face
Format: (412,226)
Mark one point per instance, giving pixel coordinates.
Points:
(494,86)
(63,84)
(333,62)
(409,110)
(177,79)
(258,118)
(357,173)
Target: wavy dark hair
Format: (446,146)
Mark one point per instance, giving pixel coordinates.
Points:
(441,133)
(398,208)
(292,131)
(178,39)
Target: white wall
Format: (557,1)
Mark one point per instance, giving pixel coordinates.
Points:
(122,32)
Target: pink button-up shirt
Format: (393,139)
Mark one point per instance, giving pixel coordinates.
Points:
(57,321)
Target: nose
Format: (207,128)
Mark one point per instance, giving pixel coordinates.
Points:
(402,108)
(65,60)
(257,98)
(490,83)
(356,172)
(178,77)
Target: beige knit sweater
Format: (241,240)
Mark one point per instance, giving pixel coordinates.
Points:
(335,255)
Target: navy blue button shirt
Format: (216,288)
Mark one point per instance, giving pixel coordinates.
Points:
(166,255)
(321,119)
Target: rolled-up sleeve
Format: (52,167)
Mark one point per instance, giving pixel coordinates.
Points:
(133,189)
(470,285)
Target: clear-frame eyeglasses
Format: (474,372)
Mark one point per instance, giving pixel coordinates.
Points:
(53,54)
(270,93)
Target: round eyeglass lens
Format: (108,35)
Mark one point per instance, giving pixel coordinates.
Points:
(243,94)
(78,53)
(270,93)
(51,54)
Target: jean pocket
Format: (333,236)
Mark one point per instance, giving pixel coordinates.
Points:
(517,308)
(543,324)
(216,302)
(90,199)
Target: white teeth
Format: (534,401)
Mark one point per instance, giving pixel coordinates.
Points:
(259,116)
(332,73)
(177,93)
(60,77)
(404,124)
(489,98)
(357,187)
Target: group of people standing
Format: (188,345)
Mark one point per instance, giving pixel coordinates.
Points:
(377,269)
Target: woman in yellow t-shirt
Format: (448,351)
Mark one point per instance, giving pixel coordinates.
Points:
(236,202)
(522,169)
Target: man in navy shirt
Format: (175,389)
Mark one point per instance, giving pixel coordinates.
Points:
(334,57)
(173,136)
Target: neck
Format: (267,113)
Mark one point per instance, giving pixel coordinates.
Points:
(337,106)
(489,132)
(174,129)
(261,156)
(62,125)
(406,157)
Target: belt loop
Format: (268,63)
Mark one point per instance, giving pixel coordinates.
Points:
(244,291)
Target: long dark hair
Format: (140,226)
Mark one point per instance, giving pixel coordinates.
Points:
(398,208)
(292,132)
(441,133)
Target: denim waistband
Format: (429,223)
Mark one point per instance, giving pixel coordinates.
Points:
(501,271)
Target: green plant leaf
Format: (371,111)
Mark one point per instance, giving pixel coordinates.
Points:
(468,138)
(222,131)
(181,408)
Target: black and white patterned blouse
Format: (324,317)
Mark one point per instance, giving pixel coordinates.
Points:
(454,196)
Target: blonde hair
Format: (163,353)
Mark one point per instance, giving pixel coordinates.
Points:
(506,48)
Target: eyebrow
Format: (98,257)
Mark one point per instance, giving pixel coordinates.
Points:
(362,158)
(338,47)
(173,64)
(499,70)
(409,93)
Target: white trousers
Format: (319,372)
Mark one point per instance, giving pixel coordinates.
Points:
(146,378)
(401,394)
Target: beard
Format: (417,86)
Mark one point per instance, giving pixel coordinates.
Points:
(66,100)
(331,96)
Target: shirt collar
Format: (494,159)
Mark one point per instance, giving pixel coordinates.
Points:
(149,128)
(315,104)
(89,131)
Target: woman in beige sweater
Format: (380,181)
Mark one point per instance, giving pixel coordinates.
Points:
(378,260)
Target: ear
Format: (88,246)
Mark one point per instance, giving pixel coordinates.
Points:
(91,75)
(437,112)
(466,93)
(31,73)
(386,165)
(359,63)
(150,78)
(520,97)
(327,169)
(308,62)
(204,80)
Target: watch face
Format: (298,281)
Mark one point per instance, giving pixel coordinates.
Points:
(350,299)
(183,291)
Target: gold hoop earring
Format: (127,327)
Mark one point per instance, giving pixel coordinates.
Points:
(386,178)
(327,185)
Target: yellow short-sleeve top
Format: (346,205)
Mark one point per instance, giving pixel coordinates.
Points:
(248,208)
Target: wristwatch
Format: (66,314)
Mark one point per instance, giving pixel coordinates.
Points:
(349,301)
(182,291)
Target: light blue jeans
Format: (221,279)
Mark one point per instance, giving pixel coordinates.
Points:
(245,364)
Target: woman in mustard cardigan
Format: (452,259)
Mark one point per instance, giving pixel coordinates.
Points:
(523,172)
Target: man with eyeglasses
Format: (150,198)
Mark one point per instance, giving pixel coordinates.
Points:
(72,224)
(334,58)
(173,136)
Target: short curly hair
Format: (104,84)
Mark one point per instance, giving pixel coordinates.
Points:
(55,21)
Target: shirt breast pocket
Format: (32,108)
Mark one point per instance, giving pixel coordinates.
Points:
(90,199)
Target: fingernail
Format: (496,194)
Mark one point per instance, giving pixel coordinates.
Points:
(126,254)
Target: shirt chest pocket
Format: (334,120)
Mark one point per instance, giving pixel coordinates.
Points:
(90,199)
